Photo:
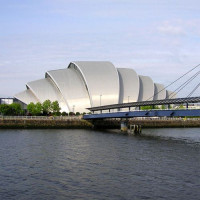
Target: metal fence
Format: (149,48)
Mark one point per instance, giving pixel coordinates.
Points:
(41,117)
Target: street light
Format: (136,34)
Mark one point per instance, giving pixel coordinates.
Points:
(73,108)
(100,99)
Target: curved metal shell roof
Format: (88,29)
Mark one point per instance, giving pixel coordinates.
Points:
(72,87)
(91,84)
(101,80)
(146,88)
(44,89)
(159,92)
(26,96)
(129,85)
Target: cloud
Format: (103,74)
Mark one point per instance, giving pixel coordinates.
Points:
(170,29)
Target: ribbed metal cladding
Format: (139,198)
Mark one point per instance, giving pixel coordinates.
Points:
(98,84)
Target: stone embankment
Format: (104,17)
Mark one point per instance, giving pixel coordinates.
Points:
(44,122)
(167,122)
(78,122)
(150,123)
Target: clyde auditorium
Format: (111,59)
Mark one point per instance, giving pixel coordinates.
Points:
(85,84)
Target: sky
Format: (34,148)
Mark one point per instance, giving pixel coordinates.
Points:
(157,38)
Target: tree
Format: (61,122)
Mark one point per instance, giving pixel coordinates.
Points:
(77,113)
(31,108)
(5,109)
(146,107)
(57,113)
(71,114)
(55,107)
(38,108)
(163,107)
(64,114)
(46,107)
(16,109)
(181,106)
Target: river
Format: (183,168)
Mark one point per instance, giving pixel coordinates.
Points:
(88,164)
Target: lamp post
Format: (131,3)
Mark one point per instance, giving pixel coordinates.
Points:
(100,99)
(73,108)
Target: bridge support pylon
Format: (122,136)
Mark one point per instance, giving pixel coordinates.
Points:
(135,129)
(124,126)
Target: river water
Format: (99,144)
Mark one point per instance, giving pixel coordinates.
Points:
(88,164)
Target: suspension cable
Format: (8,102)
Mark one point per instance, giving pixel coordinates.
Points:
(183,85)
(175,81)
(193,90)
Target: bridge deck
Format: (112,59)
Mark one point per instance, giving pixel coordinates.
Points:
(147,103)
(151,113)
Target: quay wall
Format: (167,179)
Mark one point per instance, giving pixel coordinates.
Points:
(78,122)
(45,122)
(150,123)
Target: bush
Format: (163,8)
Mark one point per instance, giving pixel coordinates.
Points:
(57,114)
(12,109)
(77,113)
(71,114)
(64,114)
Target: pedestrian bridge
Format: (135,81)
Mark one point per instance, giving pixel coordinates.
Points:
(103,112)
(143,113)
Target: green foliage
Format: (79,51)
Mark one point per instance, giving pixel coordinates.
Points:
(77,113)
(64,114)
(34,109)
(163,107)
(181,107)
(146,107)
(169,106)
(46,107)
(156,107)
(5,109)
(16,109)
(38,108)
(12,109)
(55,107)
(31,108)
(71,114)
(57,113)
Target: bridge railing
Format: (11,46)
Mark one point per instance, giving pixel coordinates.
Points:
(147,110)
(40,117)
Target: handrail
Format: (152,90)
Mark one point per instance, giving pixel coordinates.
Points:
(41,117)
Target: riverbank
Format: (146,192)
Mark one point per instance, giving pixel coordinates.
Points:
(79,123)
(44,122)
(150,123)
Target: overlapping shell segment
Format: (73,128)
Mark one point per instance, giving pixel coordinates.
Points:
(159,91)
(129,85)
(72,87)
(146,88)
(101,80)
(26,97)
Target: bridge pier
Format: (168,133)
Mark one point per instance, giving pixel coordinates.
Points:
(124,126)
(135,129)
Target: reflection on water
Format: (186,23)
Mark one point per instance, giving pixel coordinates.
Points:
(190,135)
(87,164)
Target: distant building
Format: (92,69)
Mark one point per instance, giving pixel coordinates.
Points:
(85,84)
(6,100)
